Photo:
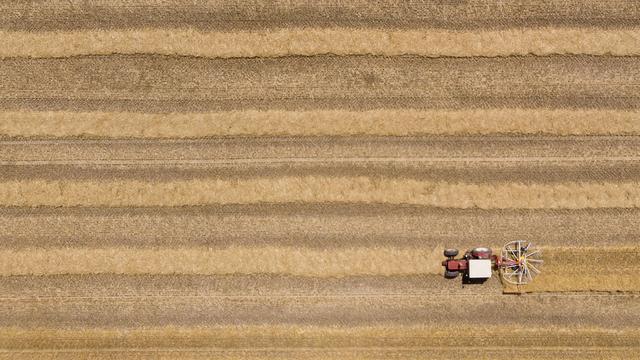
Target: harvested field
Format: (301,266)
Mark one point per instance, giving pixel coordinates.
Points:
(256,180)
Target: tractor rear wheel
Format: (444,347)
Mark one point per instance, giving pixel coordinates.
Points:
(450,274)
(451,252)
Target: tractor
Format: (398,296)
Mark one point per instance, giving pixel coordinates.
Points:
(518,263)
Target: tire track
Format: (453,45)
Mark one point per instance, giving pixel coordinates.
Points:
(230,15)
(312,189)
(312,226)
(304,337)
(477,159)
(148,83)
(274,307)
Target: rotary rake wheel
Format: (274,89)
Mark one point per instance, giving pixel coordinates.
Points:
(521,262)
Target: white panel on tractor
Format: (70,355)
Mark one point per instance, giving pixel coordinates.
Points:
(479,268)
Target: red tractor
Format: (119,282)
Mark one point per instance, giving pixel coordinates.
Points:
(518,263)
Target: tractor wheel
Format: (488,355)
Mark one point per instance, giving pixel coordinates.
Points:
(451,252)
(450,274)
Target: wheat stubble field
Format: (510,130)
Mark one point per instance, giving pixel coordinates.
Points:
(278,179)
